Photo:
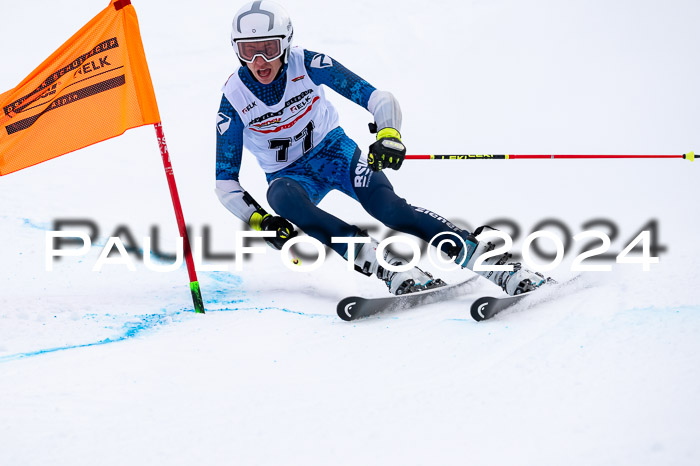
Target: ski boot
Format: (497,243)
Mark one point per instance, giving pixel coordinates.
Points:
(518,281)
(399,283)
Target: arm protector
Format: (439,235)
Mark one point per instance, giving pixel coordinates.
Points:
(240,203)
(386,110)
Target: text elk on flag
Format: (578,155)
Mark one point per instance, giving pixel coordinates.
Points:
(94,87)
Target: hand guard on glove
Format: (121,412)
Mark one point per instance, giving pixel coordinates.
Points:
(262,221)
(285,230)
(388,151)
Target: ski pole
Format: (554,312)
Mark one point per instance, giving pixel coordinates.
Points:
(689,156)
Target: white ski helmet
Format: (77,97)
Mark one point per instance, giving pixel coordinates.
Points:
(261,28)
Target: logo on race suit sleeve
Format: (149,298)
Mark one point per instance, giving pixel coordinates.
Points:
(362,172)
(321,60)
(223,121)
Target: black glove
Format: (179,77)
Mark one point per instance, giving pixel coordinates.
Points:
(285,230)
(388,151)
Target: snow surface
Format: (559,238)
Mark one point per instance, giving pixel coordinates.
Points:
(113,368)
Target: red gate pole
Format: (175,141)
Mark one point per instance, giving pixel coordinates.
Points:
(194,284)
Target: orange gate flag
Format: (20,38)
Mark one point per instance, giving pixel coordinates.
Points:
(94,87)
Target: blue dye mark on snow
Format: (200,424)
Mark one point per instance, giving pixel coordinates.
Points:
(670,309)
(641,314)
(28,222)
(220,293)
(260,310)
(222,289)
(138,325)
(133,328)
(225,278)
(37,226)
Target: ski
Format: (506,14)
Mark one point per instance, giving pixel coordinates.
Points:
(355,307)
(487,306)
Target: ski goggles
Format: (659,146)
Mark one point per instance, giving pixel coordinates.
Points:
(269,49)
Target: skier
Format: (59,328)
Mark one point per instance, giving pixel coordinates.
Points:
(274,105)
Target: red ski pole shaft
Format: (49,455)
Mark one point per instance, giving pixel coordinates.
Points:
(194,283)
(689,156)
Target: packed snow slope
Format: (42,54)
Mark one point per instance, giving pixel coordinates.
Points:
(114,368)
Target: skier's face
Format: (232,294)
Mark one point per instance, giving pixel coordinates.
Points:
(263,71)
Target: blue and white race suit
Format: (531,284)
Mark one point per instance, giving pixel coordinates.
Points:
(293,132)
